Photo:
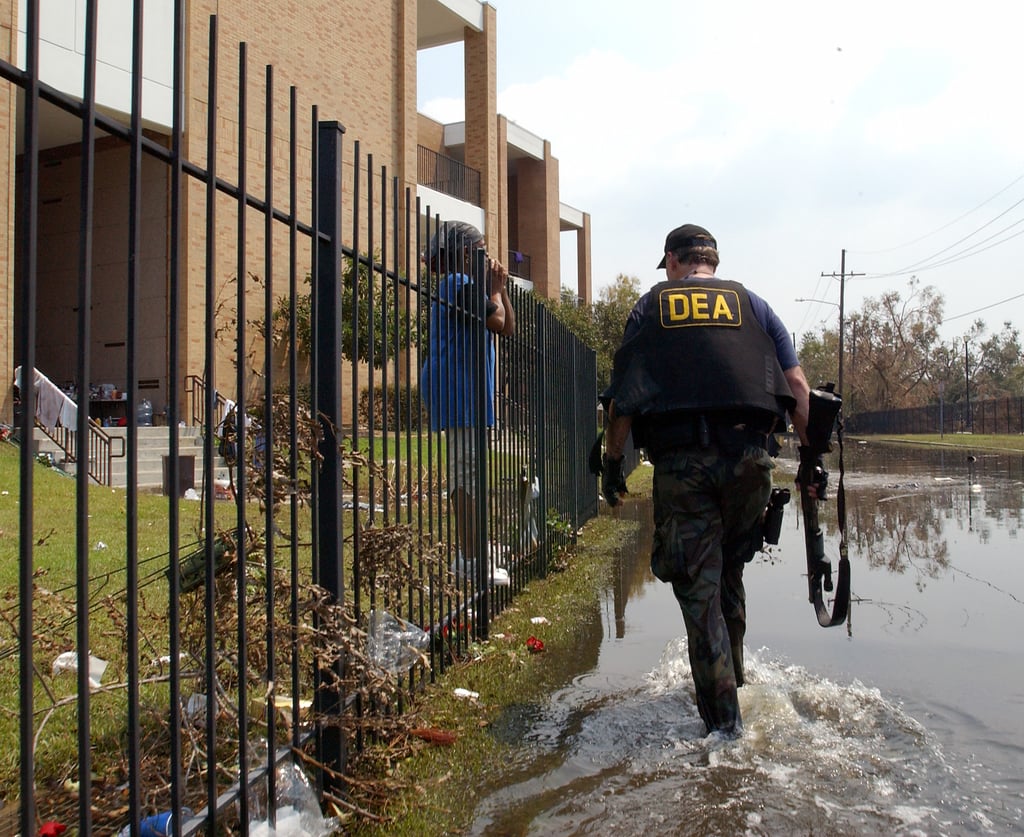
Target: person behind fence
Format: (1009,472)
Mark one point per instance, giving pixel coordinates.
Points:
(705,374)
(448,379)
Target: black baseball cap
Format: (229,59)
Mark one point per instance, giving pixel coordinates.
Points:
(688,235)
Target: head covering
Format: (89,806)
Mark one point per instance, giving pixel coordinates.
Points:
(688,235)
(453,235)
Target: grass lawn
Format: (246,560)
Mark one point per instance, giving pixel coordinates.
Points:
(1010,443)
(55,620)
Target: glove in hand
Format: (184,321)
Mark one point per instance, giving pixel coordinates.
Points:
(613,483)
(812,473)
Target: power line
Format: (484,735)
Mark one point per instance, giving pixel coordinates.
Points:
(973,250)
(983,308)
(945,226)
(922,264)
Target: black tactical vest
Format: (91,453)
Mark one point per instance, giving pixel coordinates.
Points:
(699,349)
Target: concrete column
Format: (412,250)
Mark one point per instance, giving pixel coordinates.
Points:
(584,276)
(481,67)
(539,222)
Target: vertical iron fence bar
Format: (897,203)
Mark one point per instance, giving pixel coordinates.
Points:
(210,396)
(328,357)
(480,281)
(443,440)
(563,501)
(573,438)
(353,354)
(84,373)
(269,440)
(132,499)
(416,610)
(26,564)
(396,350)
(371,340)
(241,437)
(372,319)
(530,416)
(424,381)
(541,399)
(174,377)
(449,327)
(293,389)
(553,404)
(496,498)
(314,339)
(390,343)
(513,357)
(376,424)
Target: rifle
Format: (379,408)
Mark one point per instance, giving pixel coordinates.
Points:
(825,405)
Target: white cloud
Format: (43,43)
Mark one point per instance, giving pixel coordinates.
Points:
(790,130)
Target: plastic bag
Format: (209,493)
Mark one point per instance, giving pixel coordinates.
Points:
(393,643)
(298,812)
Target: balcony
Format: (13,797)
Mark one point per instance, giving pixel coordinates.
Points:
(447,175)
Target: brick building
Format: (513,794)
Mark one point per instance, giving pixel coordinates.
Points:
(355,61)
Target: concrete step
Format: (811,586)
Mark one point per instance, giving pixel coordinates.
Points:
(153,445)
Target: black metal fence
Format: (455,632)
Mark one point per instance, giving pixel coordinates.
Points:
(274,618)
(992,416)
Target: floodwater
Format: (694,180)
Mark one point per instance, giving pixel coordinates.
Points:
(908,719)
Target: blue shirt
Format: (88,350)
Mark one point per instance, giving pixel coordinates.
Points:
(449,377)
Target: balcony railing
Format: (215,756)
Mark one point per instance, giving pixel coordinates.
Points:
(447,175)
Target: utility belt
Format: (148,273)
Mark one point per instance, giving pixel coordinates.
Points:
(730,430)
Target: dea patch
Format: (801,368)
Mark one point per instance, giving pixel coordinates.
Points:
(696,306)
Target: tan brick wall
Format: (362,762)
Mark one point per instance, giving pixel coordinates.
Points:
(539,221)
(356,62)
(500,243)
(481,78)
(430,134)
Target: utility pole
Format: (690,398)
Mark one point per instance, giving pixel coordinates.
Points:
(842,296)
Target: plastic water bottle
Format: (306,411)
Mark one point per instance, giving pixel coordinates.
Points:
(158,825)
(144,413)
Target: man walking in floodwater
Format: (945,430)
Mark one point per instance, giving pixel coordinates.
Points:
(705,374)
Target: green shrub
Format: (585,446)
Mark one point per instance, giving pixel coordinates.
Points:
(404,409)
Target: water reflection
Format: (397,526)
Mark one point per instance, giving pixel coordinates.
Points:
(907,723)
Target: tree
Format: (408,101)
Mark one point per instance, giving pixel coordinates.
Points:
(895,343)
(819,357)
(996,370)
(601,324)
(372,337)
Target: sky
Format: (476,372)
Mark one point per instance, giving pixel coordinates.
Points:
(792,131)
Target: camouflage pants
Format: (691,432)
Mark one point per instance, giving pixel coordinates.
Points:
(708,507)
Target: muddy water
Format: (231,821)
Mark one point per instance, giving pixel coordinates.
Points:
(909,719)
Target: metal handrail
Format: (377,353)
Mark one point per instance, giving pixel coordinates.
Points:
(195,390)
(99,449)
(447,175)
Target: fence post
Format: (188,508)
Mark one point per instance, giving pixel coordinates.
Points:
(540,395)
(327,364)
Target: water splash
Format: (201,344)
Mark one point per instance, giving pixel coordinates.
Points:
(615,757)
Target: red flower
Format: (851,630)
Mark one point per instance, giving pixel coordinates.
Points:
(52,829)
(534,645)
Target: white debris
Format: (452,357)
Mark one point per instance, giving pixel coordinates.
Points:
(68,661)
(466,694)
